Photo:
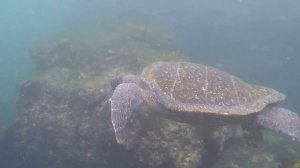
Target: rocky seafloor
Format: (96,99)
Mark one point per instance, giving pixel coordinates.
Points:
(63,112)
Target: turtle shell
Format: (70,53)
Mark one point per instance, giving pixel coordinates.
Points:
(194,88)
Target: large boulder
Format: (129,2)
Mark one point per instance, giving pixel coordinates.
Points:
(159,142)
(59,128)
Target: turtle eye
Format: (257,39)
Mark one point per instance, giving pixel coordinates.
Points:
(116,81)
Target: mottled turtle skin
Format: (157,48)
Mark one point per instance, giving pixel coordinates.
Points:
(199,95)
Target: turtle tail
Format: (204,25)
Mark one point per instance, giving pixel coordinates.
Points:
(281,120)
(125,99)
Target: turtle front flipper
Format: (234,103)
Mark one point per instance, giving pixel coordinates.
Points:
(126,97)
(281,120)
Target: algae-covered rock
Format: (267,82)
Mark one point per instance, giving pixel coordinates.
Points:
(117,41)
(238,154)
(59,128)
(275,152)
(246,157)
(159,142)
(84,53)
(167,144)
(292,164)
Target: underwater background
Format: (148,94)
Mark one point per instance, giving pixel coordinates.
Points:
(57,58)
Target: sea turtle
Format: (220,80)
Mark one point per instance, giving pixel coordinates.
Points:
(199,95)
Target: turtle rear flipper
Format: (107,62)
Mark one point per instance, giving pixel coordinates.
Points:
(281,120)
(125,99)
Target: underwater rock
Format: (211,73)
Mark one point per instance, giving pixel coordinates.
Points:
(94,53)
(275,151)
(244,156)
(65,54)
(59,128)
(155,141)
(63,128)
(96,47)
(293,164)
(166,144)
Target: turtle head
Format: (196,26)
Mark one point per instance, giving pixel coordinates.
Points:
(116,81)
(125,79)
